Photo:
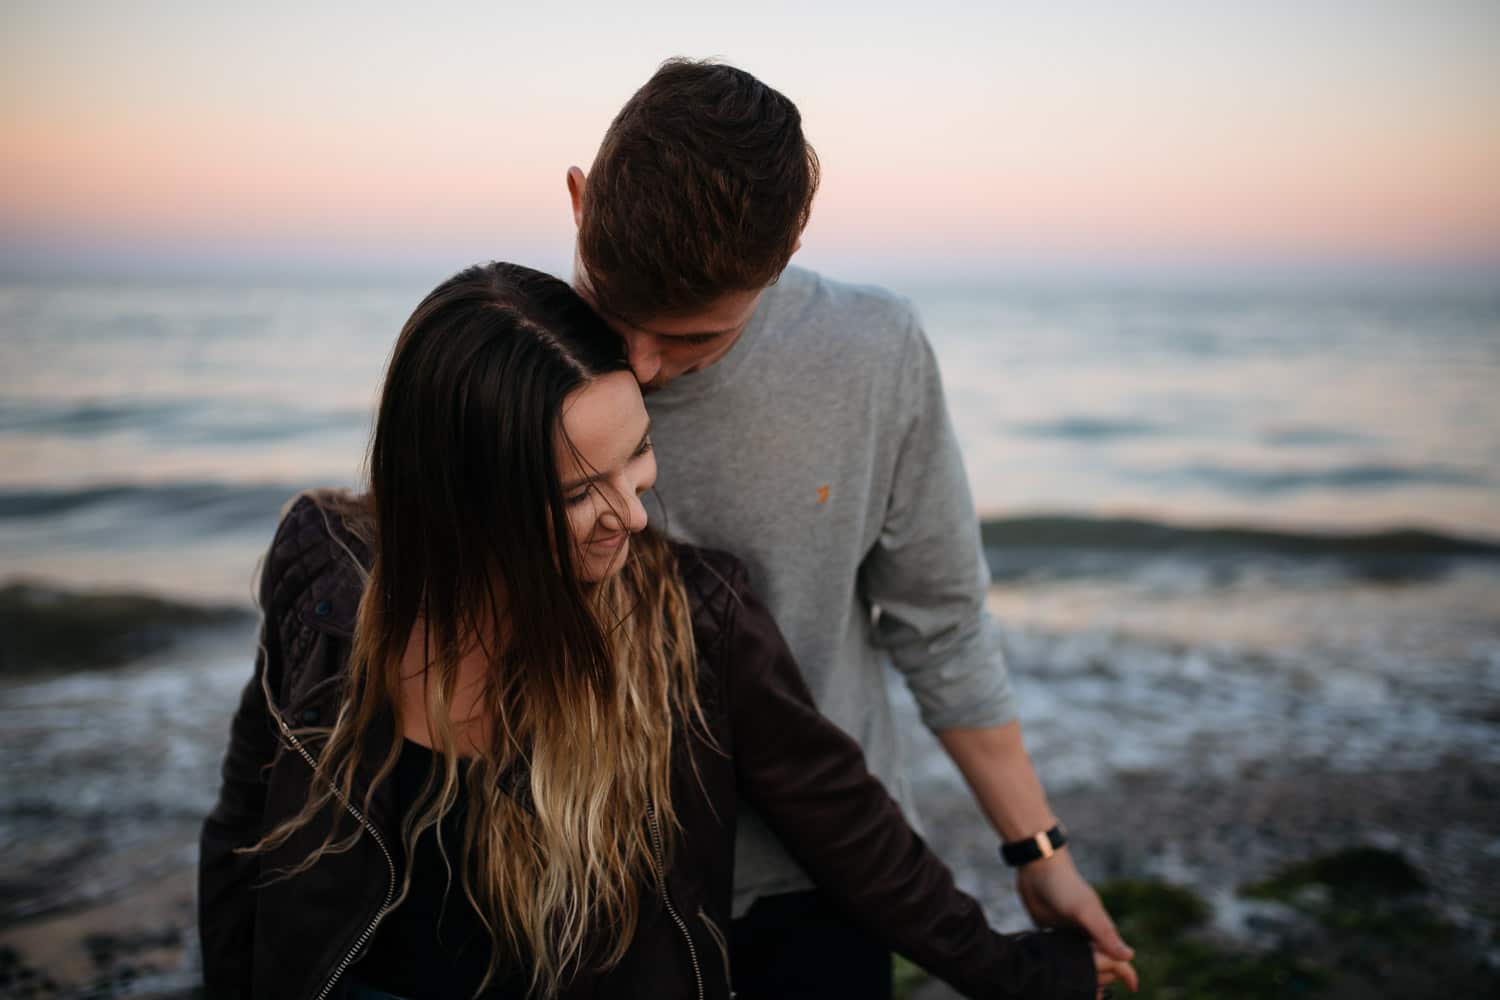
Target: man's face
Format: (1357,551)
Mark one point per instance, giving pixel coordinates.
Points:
(664,347)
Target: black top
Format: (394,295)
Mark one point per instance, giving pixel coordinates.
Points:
(433,946)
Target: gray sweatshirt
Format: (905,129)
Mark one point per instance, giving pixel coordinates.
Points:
(819,451)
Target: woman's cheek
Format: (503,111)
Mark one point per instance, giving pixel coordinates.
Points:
(581,518)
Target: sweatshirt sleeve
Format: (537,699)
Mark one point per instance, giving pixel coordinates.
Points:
(926,576)
(809,782)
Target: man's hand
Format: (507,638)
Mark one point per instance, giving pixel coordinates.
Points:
(995,763)
(1055,895)
(1111,971)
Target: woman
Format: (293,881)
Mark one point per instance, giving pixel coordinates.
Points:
(498,729)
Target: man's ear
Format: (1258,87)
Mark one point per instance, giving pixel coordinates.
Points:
(575,192)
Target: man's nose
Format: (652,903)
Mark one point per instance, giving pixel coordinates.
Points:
(645,356)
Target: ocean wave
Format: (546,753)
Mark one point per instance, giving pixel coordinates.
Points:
(83,419)
(230,503)
(1353,477)
(48,629)
(1084,546)
(179,421)
(1314,437)
(1090,429)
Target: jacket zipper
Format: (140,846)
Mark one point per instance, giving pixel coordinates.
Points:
(390,892)
(661,880)
(718,936)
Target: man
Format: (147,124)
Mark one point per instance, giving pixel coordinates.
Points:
(800,424)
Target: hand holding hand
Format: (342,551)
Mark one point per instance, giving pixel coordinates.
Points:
(1055,895)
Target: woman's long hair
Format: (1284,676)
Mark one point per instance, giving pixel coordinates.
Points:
(469,534)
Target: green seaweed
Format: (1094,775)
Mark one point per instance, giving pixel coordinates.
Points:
(1145,907)
(1397,946)
(1364,891)
(1355,874)
(908,978)
(1176,960)
(1176,969)
(1358,922)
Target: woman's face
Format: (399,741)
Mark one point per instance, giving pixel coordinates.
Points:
(605,471)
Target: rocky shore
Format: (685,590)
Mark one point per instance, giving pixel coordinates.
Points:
(1280,790)
(1141,839)
(1339,924)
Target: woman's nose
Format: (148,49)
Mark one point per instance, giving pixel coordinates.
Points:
(625,511)
(633,514)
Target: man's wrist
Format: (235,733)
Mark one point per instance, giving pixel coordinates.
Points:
(1038,847)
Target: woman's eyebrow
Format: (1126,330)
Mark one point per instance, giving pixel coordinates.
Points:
(579,484)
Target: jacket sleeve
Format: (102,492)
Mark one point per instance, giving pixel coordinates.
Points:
(226,902)
(926,572)
(809,781)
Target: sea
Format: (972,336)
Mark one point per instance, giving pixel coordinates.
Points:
(1227,527)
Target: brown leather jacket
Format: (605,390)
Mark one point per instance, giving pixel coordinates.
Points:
(296,938)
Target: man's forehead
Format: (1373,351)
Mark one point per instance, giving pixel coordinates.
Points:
(725,314)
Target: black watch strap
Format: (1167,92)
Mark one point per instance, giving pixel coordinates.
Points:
(1019,852)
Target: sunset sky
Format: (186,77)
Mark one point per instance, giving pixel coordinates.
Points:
(954,136)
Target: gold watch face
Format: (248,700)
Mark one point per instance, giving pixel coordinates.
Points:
(1044,843)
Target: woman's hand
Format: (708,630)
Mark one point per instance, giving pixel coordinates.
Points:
(1113,970)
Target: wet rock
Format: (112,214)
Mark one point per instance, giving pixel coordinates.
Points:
(47,629)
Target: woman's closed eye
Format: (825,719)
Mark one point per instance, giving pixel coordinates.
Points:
(573,499)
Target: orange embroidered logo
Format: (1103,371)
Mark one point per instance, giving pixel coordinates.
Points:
(823,494)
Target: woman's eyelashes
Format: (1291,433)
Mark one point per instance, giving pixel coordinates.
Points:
(583,494)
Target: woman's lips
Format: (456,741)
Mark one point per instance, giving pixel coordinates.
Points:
(610,542)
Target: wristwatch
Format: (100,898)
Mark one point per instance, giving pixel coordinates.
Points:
(1043,845)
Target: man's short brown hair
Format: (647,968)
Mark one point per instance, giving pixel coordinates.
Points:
(702,186)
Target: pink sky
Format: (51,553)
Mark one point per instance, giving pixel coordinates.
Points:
(1361,131)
